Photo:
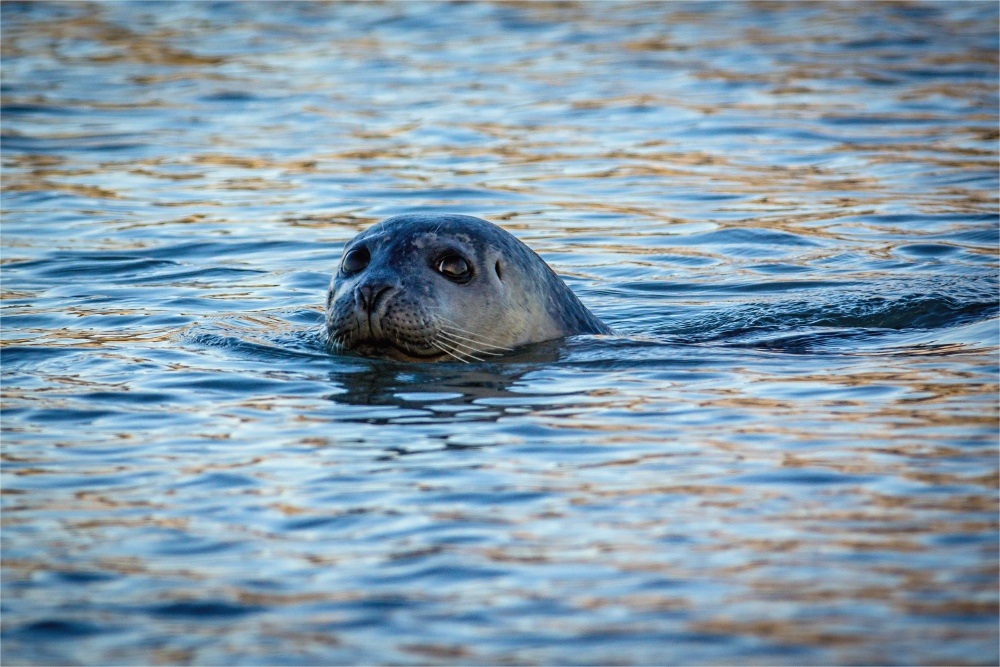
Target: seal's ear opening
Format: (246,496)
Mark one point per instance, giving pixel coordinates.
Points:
(496,267)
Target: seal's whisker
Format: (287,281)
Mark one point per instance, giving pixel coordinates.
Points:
(458,332)
(451,325)
(456,345)
(469,352)
(478,341)
(447,351)
(402,343)
(450,338)
(465,353)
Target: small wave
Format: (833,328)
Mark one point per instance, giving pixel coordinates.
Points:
(802,317)
(850,310)
(262,339)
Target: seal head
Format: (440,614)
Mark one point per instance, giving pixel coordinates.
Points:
(447,287)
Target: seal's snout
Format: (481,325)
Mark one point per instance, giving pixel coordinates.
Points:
(370,296)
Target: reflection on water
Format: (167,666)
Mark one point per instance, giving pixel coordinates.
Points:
(789,455)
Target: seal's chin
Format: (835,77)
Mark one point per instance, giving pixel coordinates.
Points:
(386,350)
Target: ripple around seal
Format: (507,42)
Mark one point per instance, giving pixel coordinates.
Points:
(845,310)
(806,477)
(203,610)
(57,629)
(14,357)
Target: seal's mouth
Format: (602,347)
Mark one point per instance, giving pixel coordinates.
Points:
(389,350)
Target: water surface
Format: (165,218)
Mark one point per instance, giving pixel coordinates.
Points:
(788,455)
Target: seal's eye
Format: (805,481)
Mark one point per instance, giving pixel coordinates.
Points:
(454,268)
(355,260)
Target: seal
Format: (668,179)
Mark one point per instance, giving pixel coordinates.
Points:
(447,288)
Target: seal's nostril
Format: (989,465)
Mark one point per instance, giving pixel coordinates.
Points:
(369,295)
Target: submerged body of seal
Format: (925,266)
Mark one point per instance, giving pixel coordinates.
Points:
(447,287)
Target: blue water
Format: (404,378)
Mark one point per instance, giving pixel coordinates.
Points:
(788,454)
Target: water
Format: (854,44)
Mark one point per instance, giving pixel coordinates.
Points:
(788,455)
